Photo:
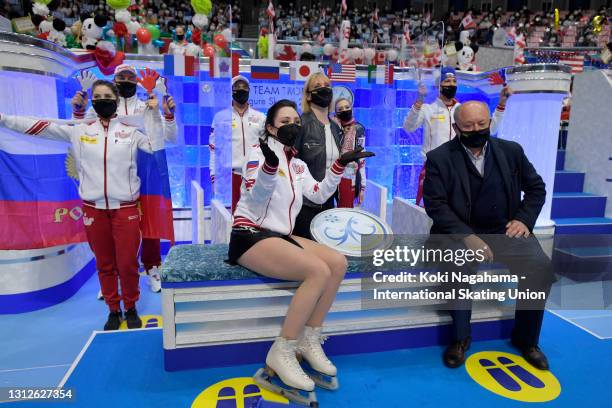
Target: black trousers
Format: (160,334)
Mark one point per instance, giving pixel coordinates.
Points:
(524,258)
(304,218)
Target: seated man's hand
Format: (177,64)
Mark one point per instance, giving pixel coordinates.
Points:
(474,243)
(516,229)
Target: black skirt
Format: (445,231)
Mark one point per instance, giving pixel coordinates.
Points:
(243,238)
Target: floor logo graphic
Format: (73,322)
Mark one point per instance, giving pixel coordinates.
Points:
(512,377)
(148,321)
(239,392)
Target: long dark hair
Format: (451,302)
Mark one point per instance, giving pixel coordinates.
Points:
(283,103)
(103,82)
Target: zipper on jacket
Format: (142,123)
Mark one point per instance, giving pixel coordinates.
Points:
(293,191)
(105,152)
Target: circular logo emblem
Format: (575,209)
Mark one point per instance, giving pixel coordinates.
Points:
(206,88)
(241,392)
(352,232)
(148,321)
(341,91)
(512,377)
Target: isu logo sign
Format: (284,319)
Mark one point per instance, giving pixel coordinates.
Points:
(239,392)
(512,377)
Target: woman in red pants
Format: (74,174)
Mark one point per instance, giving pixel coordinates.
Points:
(106,153)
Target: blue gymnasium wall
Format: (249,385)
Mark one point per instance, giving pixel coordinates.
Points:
(380,108)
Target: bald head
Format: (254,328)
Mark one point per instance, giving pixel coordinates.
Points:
(472,115)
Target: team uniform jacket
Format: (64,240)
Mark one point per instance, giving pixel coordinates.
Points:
(246,130)
(133,106)
(438,120)
(271,198)
(105,157)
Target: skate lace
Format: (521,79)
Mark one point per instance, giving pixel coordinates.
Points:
(315,343)
(290,361)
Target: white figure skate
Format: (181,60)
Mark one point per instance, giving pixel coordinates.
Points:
(322,371)
(281,362)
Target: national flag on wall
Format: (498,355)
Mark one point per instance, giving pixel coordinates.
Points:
(381,74)
(342,72)
(575,61)
(180,65)
(265,69)
(270,10)
(468,22)
(301,70)
(343,7)
(220,67)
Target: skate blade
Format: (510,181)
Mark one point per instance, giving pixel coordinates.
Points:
(322,380)
(263,378)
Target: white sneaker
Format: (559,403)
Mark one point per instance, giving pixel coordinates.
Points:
(282,360)
(99,296)
(309,346)
(154,279)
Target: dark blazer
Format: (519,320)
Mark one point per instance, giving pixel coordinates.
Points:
(310,146)
(446,189)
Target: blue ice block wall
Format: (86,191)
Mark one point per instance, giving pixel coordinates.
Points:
(380,108)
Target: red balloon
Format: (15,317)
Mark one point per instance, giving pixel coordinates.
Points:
(143,35)
(220,41)
(209,50)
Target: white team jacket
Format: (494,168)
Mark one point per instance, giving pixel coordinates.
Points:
(105,157)
(271,198)
(438,120)
(133,106)
(246,130)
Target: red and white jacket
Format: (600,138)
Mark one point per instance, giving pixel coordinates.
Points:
(134,106)
(271,197)
(105,156)
(245,129)
(437,120)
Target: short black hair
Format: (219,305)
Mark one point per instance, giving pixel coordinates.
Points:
(306,56)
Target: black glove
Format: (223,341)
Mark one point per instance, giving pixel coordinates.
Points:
(270,156)
(354,155)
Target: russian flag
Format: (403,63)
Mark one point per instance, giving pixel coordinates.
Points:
(265,69)
(39,204)
(155,199)
(180,65)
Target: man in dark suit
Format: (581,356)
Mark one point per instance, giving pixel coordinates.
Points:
(473,187)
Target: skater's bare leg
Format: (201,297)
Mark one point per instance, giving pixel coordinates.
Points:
(337,264)
(277,258)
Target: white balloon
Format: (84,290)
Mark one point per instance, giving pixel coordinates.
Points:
(133,26)
(306,48)
(356,53)
(200,21)
(392,55)
(369,54)
(328,49)
(122,16)
(227,34)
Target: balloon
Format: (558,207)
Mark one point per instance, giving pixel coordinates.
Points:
(220,41)
(143,36)
(118,4)
(227,34)
(306,48)
(369,54)
(357,53)
(122,16)
(209,50)
(133,27)
(158,43)
(201,6)
(392,55)
(200,21)
(45,2)
(328,49)
(154,30)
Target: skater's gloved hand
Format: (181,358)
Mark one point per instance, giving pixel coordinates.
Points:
(354,155)
(271,157)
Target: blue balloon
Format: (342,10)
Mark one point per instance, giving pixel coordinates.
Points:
(158,43)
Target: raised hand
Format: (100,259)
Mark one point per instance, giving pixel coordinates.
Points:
(79,101)
(86,79)
(354,155)
(148,79)
(271,157)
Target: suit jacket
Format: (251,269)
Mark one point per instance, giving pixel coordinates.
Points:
(446,189)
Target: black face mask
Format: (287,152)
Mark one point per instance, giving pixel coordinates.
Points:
(448,92)
(287,134)
(105,108)
(241,96)
(180,37)
(476,138)
(322,97)
(345,116)
(126,89)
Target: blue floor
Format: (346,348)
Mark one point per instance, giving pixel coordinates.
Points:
(125,369)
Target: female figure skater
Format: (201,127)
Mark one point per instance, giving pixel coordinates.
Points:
(262,241)
(353,181)
(105,153)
